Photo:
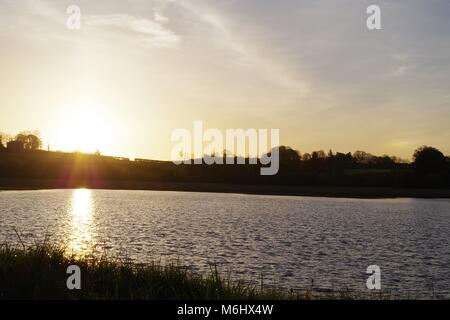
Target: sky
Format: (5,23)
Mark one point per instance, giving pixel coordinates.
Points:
(138,70)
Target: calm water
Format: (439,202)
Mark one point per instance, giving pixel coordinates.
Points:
(289,240)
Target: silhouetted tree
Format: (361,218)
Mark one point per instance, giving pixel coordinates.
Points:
(428,160)
(306,157)
(288,154)
(363,157)
(384,161)
(30,140)
(318,155)
(330,154)
(343,160)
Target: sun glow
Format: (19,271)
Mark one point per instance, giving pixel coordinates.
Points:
(83,127)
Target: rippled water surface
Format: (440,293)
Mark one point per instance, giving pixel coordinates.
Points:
(287,240)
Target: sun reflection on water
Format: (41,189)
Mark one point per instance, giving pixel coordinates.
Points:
(80,238)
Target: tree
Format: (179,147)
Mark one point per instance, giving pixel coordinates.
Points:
(288,154)
(362,157)
(306,157)
(384,161)
(428,160)
(343,160)
(30,140)
(330,154)
(318,155)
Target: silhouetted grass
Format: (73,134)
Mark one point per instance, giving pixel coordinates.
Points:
(39,272)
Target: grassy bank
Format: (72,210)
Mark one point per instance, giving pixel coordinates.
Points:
(39,272)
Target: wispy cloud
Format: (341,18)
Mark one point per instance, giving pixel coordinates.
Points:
(246,53)
(151,32)
(32,17)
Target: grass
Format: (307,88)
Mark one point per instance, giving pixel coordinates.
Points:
(39,272)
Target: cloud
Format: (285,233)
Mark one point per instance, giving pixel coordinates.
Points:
(160,18)
(247,54)
(32,17)
(151,32)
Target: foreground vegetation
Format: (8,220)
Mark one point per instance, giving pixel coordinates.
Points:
(39,272)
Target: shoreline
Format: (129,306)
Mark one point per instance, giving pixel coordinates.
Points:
(273,190)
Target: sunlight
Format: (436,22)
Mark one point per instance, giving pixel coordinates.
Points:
(83,127)
(81,203)
(81,224)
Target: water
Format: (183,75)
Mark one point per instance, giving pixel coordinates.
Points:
(287,240)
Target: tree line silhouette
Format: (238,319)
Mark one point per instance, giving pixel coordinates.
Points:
(26,140)
(24,164)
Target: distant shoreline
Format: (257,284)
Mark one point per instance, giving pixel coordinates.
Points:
(276,190)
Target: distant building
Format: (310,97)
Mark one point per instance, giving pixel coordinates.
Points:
(15,146)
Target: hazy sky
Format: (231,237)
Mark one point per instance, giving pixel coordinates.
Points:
(137,70)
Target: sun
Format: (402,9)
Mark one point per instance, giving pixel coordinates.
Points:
(83,127)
